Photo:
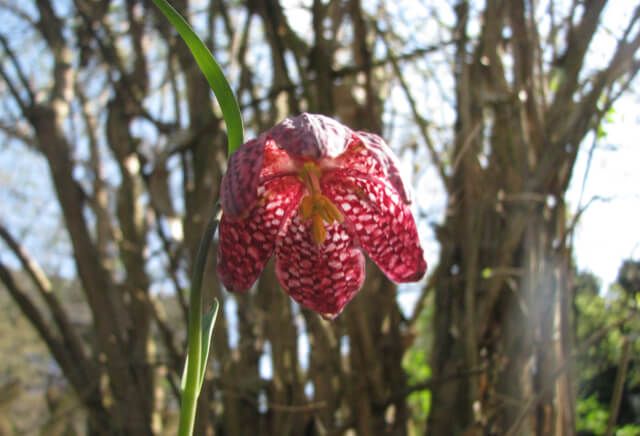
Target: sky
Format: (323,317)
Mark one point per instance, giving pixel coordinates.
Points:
(609,229)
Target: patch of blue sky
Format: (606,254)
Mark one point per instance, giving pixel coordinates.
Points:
(28,211)
(608,230)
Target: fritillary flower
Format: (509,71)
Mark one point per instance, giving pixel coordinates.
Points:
(318,194)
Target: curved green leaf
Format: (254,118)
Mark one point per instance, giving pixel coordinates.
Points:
(208,322)
(213,73)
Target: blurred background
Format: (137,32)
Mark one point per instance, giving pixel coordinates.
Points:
(516,123)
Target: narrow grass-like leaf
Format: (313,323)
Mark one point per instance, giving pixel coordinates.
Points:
(213,73)
(183,380)
(208,322)
(200,332)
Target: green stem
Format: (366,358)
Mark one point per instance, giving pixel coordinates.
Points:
(199,337)
(195,363)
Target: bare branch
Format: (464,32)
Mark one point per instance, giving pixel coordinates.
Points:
(579,39)
(51,28)
(429,384)
(11,6)
(281,38)
(171,254)
(24,106)
(468,141)
(583,115)
(571,227)
(422,123)
(410,55)
(31,311)
(632,22)
(166,332)
(18,69)
(71,340)
(130,85)
(16,132)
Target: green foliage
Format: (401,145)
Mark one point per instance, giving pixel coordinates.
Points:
(628,430)
(597,368)
(587,283)
(629,277)
(607,120)
(487,273)
(415,363)
(592,416)
(595,312)
(418,370)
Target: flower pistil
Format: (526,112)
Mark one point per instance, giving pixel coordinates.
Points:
(315,206)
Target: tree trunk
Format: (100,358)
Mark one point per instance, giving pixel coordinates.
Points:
(502,283)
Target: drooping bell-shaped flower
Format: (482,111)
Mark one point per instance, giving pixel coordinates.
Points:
(318,194)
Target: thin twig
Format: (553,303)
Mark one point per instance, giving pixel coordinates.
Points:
(465,146)
(433,382)
(18,69)
(14,131)
(422,123)
(287,408)
(14,91)
(11,6)
(569,231)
